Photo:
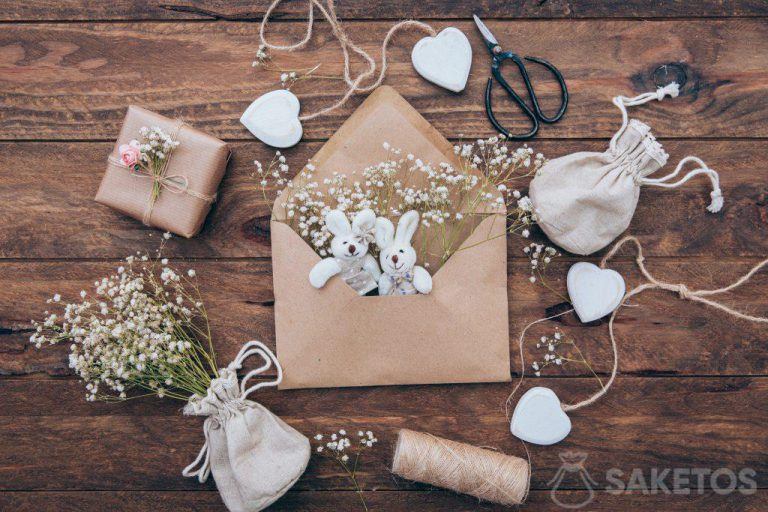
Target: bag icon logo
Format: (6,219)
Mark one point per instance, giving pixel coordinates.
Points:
(572,463)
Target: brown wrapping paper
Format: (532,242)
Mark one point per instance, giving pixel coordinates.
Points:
(333,337)
(200,158)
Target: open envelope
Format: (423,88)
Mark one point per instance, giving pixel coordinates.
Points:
(332,337)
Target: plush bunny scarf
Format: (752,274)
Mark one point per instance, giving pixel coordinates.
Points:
(254,456)
(583,201)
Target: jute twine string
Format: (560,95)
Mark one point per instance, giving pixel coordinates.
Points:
(485,474)
(174,183)
(652,283)
(328,10)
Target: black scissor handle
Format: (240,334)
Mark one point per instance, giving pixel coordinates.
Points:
(496,74)
(560,81)
(535,114)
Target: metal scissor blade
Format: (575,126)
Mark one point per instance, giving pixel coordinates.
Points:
(487,35)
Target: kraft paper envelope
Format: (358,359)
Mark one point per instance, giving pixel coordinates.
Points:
(333,337)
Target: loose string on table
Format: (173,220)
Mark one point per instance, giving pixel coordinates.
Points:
(328,10)
(683,292)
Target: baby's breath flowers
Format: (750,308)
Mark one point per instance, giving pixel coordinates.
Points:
(560,350)
(540,256)
(288,77)
(144,327)
(262,56)
(150,155)
(276,172)
(449,198)
(340,447)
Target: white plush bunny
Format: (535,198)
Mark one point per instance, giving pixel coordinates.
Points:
(398,259)
(349,246)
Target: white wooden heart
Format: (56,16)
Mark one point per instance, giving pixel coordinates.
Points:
(539,418)
(274,118)
(444,59)
(594,291)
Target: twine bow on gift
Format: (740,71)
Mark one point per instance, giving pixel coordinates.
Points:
(174,183)
(225,397)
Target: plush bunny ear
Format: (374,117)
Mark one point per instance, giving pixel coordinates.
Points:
(406,227)
(365,220)
(385,232)
(337,223)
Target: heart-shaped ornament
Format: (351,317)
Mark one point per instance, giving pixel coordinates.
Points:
(444,59)
(594,291)
(274,118)
(539,418)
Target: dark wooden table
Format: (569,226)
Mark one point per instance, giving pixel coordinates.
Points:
(693,385)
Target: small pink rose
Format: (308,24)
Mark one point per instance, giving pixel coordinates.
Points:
(129,154)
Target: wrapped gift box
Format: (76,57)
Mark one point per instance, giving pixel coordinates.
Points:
(189,183)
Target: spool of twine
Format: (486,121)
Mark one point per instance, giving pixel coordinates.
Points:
(485,474)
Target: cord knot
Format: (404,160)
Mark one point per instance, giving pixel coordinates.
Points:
(717,201)
(683,291)
(672,90)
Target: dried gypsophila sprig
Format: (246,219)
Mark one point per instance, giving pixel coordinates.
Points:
(560,350)
(150,155)
(446,197)
(338,447)
(288,77)
(276,172)
(540,257)
(145,327)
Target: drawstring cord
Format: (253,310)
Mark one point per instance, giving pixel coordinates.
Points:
(253,347)
(717,196)
(672,90)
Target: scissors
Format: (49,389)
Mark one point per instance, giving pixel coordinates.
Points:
(498,56)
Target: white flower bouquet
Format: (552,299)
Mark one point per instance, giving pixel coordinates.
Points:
(144,327)
(449,198)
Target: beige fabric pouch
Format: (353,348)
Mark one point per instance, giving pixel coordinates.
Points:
(254,456)
(583,201)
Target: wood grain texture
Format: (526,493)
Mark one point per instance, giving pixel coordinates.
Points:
(56,217)
(74,80)
(69,10)
(142,445)
(239,298)
(431,500)
(692,383)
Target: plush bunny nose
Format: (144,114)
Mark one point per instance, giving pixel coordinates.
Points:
(351,249)
(394,258)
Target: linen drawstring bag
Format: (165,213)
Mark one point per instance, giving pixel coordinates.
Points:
(253,455)
(584,200)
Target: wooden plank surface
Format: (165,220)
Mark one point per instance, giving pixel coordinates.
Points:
(642,423)
(692,382)
(39,212)
(74,80)
(71,10)
(240,300)
(428,501)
